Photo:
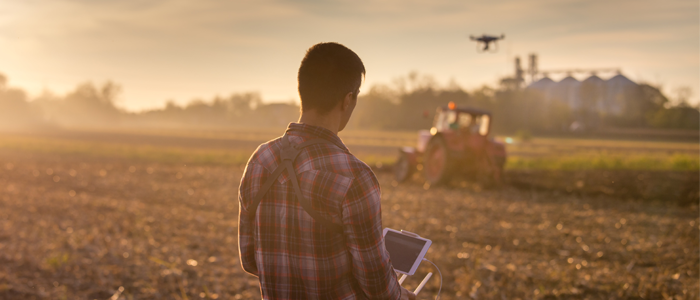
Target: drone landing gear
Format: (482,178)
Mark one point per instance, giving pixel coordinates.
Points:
(422,283)
(485,47)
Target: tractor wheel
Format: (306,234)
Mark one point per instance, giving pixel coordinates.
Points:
(491,172)
(498,174)
(403,168)
(437,167)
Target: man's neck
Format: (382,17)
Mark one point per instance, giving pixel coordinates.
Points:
(329,121)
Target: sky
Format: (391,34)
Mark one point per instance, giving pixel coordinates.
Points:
(182,50)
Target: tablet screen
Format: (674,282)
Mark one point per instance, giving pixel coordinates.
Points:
(403,250)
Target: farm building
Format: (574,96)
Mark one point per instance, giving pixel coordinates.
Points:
(594,94)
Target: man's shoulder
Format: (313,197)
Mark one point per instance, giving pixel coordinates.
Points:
(336,160)
(322,157)
(267,153)
(348,165)
(360,168)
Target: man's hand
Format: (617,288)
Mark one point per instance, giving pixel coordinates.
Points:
(407,295)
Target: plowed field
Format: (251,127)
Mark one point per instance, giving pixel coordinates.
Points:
(76,226)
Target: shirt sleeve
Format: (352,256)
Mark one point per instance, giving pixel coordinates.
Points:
(246,233)
(362,225)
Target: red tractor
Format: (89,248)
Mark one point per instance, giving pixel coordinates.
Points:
(457,145)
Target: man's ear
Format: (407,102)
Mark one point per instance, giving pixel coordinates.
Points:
(347,101)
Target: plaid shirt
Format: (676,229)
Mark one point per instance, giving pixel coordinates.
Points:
(295,257)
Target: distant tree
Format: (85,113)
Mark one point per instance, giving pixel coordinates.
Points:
(170,105)
(376,109)
(483,97)
(87,105)
(274,115)
(408,103)
(241,105)
(676,117)
(679,116)
(683,94)
(15,111)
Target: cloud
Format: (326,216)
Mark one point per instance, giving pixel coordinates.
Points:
(257,44)
(261,23)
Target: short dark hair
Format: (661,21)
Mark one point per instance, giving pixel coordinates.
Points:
(327,73)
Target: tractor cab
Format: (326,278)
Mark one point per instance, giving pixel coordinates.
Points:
(457,144)
(465,120)
(462,128)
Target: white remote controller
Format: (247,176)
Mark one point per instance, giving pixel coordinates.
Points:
(422,283)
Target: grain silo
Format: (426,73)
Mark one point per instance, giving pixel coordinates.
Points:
(567,91)
(544,86)
(620,91)
(592,94)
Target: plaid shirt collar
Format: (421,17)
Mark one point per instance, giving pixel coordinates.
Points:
(311,131)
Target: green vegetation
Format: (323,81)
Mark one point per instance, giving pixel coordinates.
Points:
(523,135)
(57,260)
(537,154)
(590,154)
(677,162)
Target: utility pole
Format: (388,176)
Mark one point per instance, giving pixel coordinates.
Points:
(518,72)
(532,70)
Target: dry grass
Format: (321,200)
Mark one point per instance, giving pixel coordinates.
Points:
(232,147)
(78,226)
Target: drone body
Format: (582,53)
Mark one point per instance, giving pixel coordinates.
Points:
(487,40)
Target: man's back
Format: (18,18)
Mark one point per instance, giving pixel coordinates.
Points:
(296,257)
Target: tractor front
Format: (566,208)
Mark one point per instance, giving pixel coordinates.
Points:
(458,144)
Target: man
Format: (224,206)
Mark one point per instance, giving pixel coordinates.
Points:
(316,233)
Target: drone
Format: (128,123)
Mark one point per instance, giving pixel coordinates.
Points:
(486,40)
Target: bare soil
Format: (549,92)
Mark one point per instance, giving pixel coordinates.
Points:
(73,227)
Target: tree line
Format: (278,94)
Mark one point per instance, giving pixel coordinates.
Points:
(407,103)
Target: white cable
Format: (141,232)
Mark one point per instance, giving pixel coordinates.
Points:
(439,273)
